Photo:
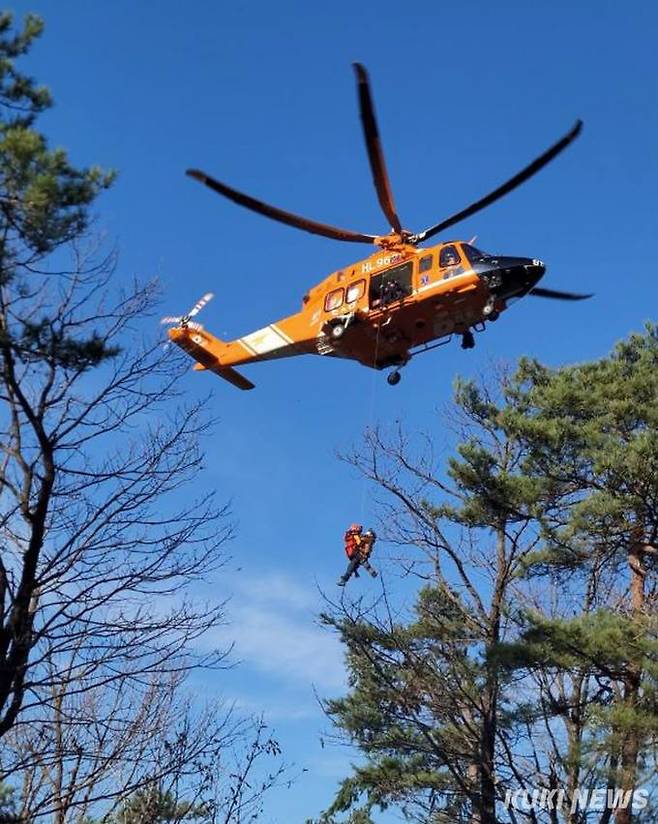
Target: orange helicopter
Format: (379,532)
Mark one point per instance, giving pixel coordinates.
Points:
(385,309)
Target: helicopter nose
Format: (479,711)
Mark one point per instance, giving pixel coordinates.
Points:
(526,274)
(537,266)
(535,270)
(512,277)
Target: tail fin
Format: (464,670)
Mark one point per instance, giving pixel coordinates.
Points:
(199,344)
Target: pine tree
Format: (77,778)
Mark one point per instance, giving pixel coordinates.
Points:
(8,812)
(415,712)
(44,205)
(592,431)
(156,806)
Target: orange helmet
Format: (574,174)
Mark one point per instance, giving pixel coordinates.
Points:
(355,528)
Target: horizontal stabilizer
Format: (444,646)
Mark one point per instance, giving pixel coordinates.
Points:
(229,374)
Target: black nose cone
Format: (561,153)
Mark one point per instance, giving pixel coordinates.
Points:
(510,277)
(536,270)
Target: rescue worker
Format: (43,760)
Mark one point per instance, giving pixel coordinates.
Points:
(392,291)
(358,546)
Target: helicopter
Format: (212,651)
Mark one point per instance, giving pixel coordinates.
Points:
(400,301)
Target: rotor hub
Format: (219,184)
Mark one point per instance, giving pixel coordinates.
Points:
(394,240)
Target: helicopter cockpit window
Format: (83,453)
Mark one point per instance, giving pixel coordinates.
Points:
(355,291)
(333,300)
(425,263)
(474,255)
(449,257)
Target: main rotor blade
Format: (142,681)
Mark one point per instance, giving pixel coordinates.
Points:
(506,187)
(279,214)
(540,292)
(375,151)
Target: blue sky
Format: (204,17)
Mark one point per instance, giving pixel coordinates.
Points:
(262,95)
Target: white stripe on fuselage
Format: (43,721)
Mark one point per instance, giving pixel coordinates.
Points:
(265,340)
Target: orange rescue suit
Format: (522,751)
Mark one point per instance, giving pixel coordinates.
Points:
(353,543)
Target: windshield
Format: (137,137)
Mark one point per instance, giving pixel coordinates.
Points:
(474,255)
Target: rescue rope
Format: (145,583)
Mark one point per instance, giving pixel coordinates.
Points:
(373,393)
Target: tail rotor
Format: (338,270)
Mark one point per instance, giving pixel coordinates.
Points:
(185,321)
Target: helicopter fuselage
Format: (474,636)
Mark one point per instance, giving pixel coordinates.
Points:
(382,310)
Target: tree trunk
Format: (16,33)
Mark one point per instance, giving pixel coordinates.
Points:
(487,755)
(630,747)
(490,697)
(473,773)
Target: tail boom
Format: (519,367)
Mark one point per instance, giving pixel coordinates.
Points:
(206,349)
